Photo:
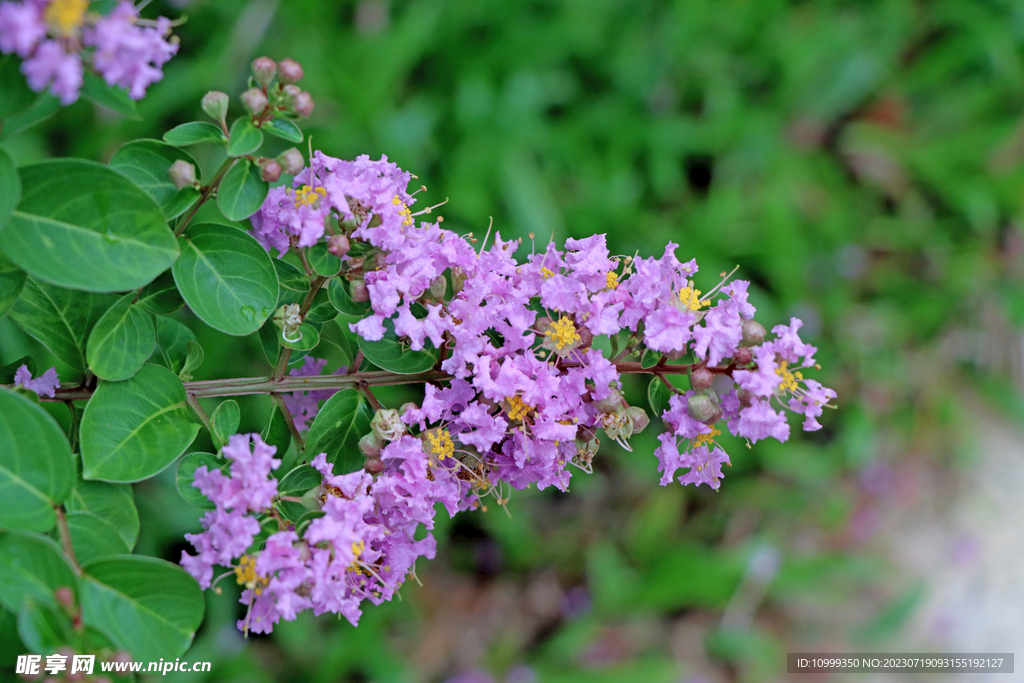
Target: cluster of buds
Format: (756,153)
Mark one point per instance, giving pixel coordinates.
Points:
(274,90)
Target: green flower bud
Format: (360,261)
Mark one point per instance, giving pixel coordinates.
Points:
(743,356)
(338,245)
(291,161)
(373,465)
(701,378)
(270,170)
(638,416)
(358,291)
(215,104)
(438,287)
(182,174)
(290,71)
(753,333)
(370,445)
(304,105)
(264,69)
(254,101)
(701,408)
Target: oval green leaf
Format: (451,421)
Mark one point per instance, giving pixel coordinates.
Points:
(160,296)
(32,566)
(186,474)
(37,469)
(193,133)
(113,503)
(393,355)
(276,432)
(10,188)
(242,191)
(43,629)
(193,359)
(133,429)
(84,225)
(173,342)
(338,290)
(303,339)
(270,340)
(226,278)
(12,279)
(341,422)
(658,396)
(224,422)
(323,262)
(111,97)
(92,537)
(60,319)
(290,277)
(121,341)
(283,128)
(147,163)
(296,484)
(145,605)
(245,138)
(321,310)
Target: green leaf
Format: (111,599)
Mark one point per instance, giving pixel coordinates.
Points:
(147,606)
(193,133)
(10,188)
(84,225)
(37,469)
(147,163)
(186,474)
(93,537)
(113,503)
(323,262)
(224,422)
(111,97)
(276,432)
(60,319)
(394,356)
(270,339)
(32,566)
(649,359)
(245,138)
(283,128)
(193,358)
(15,95)
(321,310)
(338,291)
(296,484)
(172,341)
(341,422)
(242,191)
(290,277)
(121,341)
(226,278)
(43,629)
(332,334)
(12,279)
(44,106)
(161,296)
(658,396)
(133,429)
(303,339)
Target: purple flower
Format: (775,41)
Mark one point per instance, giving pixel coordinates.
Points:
(21,27)
(44,385)
(811,402)
(52,66)
(129,55)
(788,345)
(668,329)
(764,379)
(758,421)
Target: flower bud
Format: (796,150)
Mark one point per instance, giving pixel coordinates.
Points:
(291,161)
(701,378)
(270,170)
(701,408)
(370,445)
(610,403)
(716,415)
(254,101)
(639,418)
(387,424)
(264,69)
(289,93)
(338,245)
(289,71)
(304,104)
(743,356)
(215,104)
(358,291)
(373,465)
(407,406)
(438,287)
(459,278)
(586,337)
(65,597)
(182,174)
(745,396)
(753,333)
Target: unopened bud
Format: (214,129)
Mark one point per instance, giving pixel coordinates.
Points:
(254,101)
(753,333)
(610,403)
(370,446)
(270,170)
(586,337)
(291,161)
(745,396)
(304,105)
(459,278)
(701,408)
(182,174)
(701,378)
(358,291)
(743,356)
(65,597)
(387,424)
(289,71)
(264,69)
(290,92)
(338,245)
(438,287)
(373,465)
(639,418)
(215,104)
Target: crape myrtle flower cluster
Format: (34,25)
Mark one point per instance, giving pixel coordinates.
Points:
(55,38)
(526,394)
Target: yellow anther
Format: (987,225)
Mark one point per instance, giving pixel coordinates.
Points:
(517,408)
(245,574)
(441,444)
(702,439)
(611,280)
(357,548)
(691,298)
(545,273)
(789,379)
(66,15)
(309,195)
(563,333)
(403,211)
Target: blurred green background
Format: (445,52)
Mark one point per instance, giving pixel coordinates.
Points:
(860,161)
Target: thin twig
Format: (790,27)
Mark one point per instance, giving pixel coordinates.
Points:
(205,195)
(65,537)
(300,445)
(368,393)
(193,403)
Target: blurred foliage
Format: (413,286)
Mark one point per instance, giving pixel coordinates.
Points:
(860,161)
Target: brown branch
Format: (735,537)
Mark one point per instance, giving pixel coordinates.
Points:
(65,537)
